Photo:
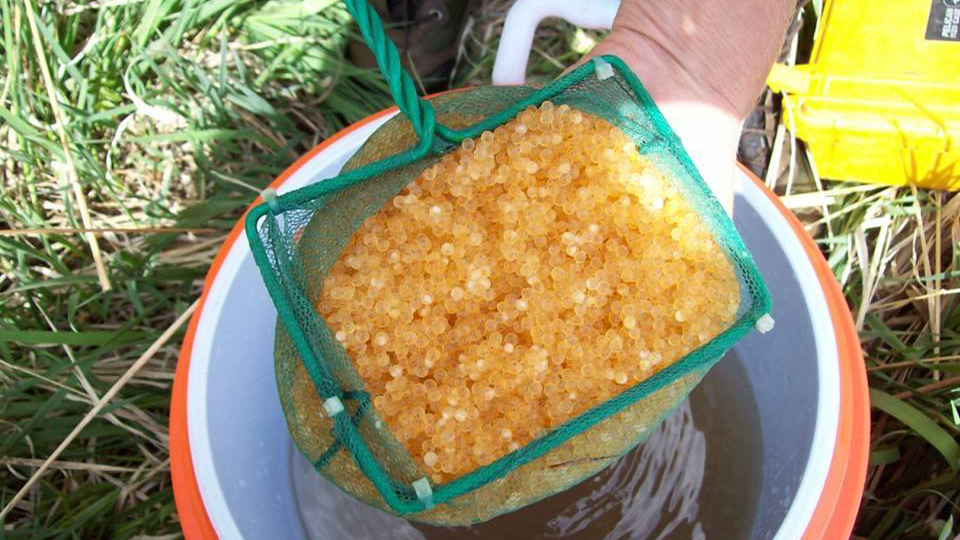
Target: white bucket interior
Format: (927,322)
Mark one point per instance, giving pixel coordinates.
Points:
(243,455)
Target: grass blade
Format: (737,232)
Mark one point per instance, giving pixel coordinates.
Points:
(884,456)
(947,529)
(87,338)
(919,423)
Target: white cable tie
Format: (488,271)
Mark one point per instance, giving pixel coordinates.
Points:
(764,324)
(269,196)
(424,492)
(333,406)
(604,69)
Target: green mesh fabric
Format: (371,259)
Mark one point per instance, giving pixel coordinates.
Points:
(296,238)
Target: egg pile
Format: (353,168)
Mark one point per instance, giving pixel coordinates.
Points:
(531,274)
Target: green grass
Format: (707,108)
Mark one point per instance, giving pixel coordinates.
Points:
(900,280)
(177,112)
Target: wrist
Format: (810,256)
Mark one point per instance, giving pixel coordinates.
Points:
(705,121)
(716,52)
(664,75)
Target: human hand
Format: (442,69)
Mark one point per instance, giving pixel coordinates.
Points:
(704,66)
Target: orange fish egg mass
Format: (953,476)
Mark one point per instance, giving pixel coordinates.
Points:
(529,275)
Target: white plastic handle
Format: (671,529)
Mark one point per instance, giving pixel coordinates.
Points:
(510,66)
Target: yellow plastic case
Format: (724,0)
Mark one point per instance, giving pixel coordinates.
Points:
(880,99)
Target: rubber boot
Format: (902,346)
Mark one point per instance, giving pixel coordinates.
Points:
(427,35)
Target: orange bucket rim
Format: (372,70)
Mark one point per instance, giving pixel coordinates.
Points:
(835,512)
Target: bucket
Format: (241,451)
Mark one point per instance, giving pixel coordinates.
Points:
(802,388)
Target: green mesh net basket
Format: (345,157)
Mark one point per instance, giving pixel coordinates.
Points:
(297,237)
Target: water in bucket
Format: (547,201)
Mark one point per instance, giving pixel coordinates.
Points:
(693,479)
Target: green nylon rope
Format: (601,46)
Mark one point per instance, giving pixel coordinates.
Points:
(363,404)
(418,111)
